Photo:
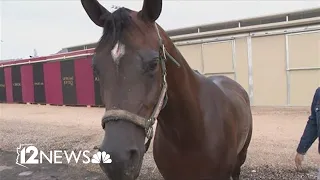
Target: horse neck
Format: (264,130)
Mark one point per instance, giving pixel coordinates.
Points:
(182,113)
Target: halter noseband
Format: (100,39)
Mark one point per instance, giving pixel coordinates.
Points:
(147,124)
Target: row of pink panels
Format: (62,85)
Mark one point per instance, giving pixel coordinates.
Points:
(69,82)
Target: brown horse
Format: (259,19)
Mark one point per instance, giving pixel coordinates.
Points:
(204,124)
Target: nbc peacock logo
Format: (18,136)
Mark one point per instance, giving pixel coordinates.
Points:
(101,157)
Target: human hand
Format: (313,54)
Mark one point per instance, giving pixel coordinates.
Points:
(298,160)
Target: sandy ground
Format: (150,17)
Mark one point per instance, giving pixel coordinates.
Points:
(271,154)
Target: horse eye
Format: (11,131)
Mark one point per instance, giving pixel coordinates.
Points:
(152,65)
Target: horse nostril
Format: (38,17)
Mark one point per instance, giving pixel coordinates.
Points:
(133,155)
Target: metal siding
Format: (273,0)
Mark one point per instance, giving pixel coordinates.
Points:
(302,87)
(241,58)
(192,54)
(304,50)
(217,57)
(303,54)
(268,66)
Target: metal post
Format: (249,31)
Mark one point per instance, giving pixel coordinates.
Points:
(234,59)
(202,59)
(250,88)
(287,70)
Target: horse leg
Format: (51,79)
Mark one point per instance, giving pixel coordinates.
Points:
(241,157)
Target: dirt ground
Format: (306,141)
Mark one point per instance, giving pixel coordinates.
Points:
(271,155)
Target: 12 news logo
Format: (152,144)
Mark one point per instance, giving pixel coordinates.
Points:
(55,156)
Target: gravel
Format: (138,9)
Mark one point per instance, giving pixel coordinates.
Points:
(271,154)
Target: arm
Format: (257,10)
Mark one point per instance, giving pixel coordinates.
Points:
(310,132)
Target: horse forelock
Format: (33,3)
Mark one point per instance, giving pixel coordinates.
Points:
(114,24)
(117,32)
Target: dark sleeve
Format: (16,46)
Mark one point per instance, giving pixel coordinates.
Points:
(310,132)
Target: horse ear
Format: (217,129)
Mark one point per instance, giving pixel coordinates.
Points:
(95,11)
(151,10)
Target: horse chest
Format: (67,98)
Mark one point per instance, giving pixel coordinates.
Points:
(195,165)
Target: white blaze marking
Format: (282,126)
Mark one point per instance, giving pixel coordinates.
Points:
(117,52)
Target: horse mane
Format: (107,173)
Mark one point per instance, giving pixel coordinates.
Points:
(114,26)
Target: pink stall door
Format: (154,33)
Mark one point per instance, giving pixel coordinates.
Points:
(84,81)
(52,80)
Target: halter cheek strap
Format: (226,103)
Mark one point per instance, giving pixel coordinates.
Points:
(163,54)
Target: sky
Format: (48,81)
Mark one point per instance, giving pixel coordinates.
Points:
(50,25)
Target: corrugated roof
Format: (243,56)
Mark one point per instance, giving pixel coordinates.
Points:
(52,57)
(260,20)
